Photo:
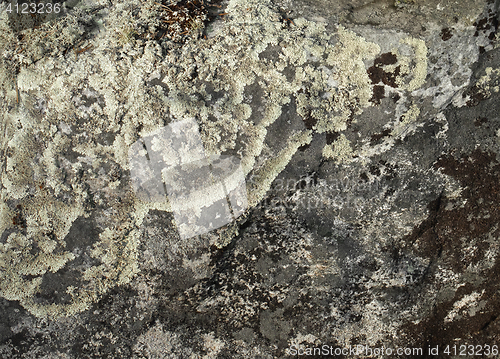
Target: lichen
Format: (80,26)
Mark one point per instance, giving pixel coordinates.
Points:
(266,174)
(340,150)
(350,76)
(35,42)
(406,121)
(489,83)
(419,70)
(104,97)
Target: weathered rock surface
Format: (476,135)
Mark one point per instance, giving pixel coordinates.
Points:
(368,134)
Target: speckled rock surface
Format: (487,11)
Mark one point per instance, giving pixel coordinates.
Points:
(368,134)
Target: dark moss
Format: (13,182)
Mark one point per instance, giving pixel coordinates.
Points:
(309,121)
(476,95)
(378,94)
(331,137)
(378,74)
(446,34)
(387,58)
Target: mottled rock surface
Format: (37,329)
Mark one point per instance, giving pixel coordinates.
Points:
(369,137)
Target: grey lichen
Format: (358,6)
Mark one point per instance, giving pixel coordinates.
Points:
(50,38)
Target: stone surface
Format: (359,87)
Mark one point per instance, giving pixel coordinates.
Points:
(368,136)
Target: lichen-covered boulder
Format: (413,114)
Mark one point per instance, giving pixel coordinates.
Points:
(249,178)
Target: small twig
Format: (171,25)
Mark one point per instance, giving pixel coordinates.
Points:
(49,33)
(84,49)
(165,6)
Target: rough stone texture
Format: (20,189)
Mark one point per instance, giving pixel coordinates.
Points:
(368,133)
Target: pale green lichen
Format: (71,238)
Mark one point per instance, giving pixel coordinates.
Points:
(340,150)
(226,234)
(407,122)
(17,263)
(411,115)
(349,74)
(105,91)
(489,83)
(266,174)
(417,72)
(6,215)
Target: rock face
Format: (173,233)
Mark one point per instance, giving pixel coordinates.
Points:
(367,136)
